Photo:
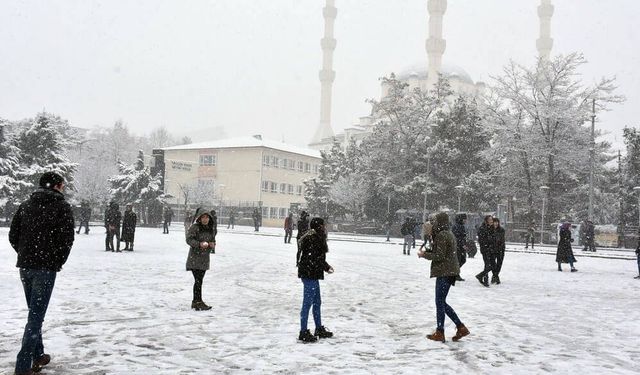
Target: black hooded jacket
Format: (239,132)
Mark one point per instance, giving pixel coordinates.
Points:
(42,231)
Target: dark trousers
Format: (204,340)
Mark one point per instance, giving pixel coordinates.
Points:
(528,238)
(310,297)
(86,226)
(38,286)
(589,245)
(443,284)
(638,264)
(462,256)
(108,242)
(499,257)
(165,226)
(287,235)
(256,225)
(198,277)
(489,263)
(232,224)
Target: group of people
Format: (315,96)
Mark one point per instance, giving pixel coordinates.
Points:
(46,218)
(113,218)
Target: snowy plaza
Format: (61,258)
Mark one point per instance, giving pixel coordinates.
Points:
(129,313)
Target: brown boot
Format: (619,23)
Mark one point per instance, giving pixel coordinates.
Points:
(460,333)
(436,336)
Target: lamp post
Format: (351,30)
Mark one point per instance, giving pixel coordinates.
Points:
(459,190)
(637,190)
(221,186)
(544,190)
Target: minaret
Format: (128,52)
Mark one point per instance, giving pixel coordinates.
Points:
(327,75)
(544,42)
(435,44)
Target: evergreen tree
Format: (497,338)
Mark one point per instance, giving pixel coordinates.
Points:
(43,143)
(9,184)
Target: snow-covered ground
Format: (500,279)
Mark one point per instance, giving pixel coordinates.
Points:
(130,313)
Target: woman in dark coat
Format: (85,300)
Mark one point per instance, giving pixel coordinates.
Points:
(129,223)
(499,248)
(564,253)
(312,263)
(201,239)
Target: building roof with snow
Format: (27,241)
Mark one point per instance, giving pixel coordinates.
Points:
(246,142)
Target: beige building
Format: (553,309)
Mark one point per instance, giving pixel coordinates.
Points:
(239,173)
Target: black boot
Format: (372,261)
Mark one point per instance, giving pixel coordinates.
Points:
(482,280)
(306,336)
(322,333)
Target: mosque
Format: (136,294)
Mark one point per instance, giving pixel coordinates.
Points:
(420,75)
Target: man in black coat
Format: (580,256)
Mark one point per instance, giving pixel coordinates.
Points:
(42,233)
(486,239)
(85,216)
(112,220)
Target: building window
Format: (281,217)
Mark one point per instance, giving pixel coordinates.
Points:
(290,189)
(285,163)
(265,212)
(207,160)
(299,190)
(274,187)
(265,186)
(275,161)
(292,164)
(300,166)
(283,188)
(283,213)
(273,212)
(307,168)
(265,160)
(316,168)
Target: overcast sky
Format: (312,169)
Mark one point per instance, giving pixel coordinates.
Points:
(252,65)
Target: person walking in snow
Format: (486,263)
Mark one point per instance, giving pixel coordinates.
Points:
(167,216)
(407,233)
(564,253)
(498,250)
(590,237)
(85,216)
(257,218)
(288,228)
(42,234)
(129,223)
(460,233)
(445,268)
(112,220)
(201,239)
(188,219)
(232,219)
(312,264)
(486,240)
(530,236)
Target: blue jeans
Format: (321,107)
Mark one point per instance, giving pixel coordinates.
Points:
(38,285)
(442,289)
(311,297)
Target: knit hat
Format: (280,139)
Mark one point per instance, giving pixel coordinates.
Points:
(316,222)
(50,179)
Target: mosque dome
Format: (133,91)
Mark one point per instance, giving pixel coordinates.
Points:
(419,70)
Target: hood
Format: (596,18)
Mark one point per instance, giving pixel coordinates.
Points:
(441,223)
(199,212)
(46,195)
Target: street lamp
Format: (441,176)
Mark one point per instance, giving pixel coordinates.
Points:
(459,190)
(637,190)
(544,189)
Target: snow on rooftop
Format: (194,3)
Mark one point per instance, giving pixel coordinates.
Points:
(247,142)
